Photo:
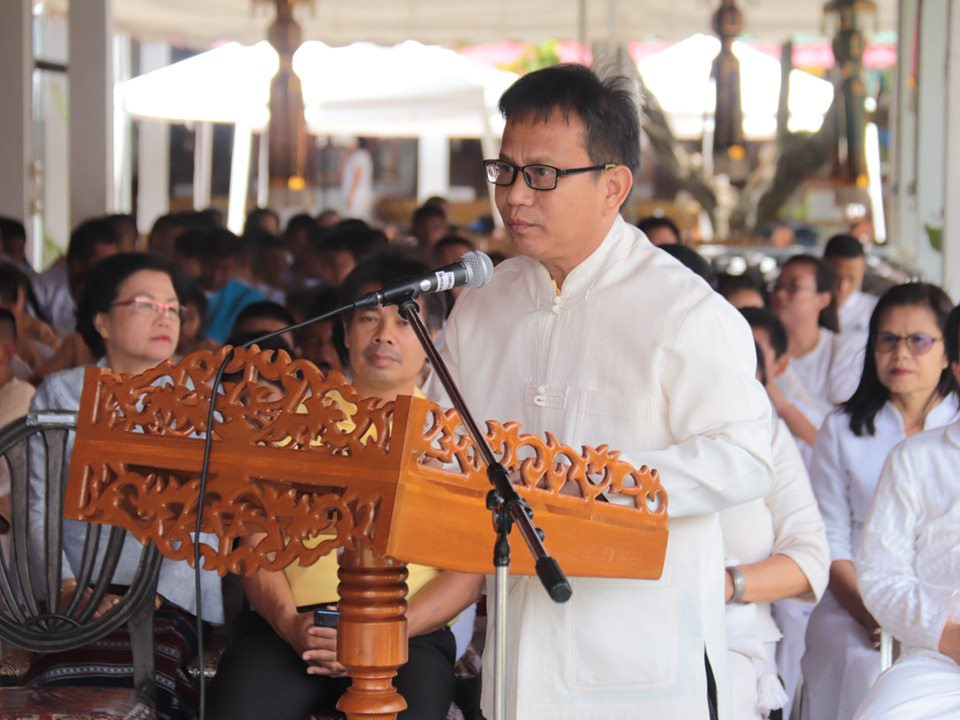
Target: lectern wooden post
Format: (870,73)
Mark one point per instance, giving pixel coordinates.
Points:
(392,483)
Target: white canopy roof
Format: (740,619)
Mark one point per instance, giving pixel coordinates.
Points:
(340,22)
(362,89)
(680,79)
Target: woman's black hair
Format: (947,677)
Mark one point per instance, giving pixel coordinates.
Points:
(103,285)
(952,336)
(871,394)
(761,364)
(826,280)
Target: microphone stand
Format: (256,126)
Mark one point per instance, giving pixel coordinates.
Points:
(506,506)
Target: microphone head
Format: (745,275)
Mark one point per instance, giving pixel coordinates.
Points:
(479,268)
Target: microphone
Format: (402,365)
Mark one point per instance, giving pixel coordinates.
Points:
(473,269)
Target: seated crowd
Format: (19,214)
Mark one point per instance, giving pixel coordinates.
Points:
(849,541)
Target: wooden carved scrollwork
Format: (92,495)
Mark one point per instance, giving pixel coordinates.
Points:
(299,457)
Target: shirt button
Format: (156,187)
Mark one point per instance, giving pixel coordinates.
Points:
(540,400)
(541,389)
(557,310)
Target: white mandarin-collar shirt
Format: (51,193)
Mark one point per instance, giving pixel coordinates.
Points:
(637,352)
(845,469)
(854,314)
(908,568)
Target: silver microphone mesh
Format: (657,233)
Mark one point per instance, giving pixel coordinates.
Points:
(479,268)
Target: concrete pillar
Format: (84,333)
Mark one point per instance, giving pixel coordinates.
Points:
(202,164)
(16,120)
(931,131)
(951,224)
(433,166)
(91,109)
(122,128)
(153,153)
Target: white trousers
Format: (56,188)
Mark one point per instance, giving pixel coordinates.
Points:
(791,617)
(839,665)
(920,685)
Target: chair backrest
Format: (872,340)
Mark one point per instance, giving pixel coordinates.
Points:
(34,613)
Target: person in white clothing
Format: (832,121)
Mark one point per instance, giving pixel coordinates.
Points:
(846,256)
(909,574)
(906,387)
(775,548)
(357,182)
(827,364)
(802,415)
(598,337)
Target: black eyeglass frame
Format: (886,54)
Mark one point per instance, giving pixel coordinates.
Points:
(522,170)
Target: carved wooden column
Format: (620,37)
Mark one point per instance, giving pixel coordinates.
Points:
(372,636)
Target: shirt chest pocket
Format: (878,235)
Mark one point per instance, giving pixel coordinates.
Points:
(622,421)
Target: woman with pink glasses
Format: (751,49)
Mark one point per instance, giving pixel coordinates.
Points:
(129,316)
(906,387)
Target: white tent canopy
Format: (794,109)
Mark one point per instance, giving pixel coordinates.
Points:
(339,22)
(679,77)
(408,90)
(361,89)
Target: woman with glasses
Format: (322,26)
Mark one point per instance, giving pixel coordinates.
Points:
(906,387)
(909,574)
(825,364)
(129,316)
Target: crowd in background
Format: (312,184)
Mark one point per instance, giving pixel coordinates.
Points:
(849,375)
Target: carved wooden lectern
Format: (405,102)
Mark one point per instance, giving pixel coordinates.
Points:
(394,483)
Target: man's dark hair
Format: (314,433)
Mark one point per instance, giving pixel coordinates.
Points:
(353,236)
(103,286)
(728,285)
(763,319)
(607,108)
(843,246)
(10,228)
(253,218)
(191,243)
(8,325)
(300,222)
(86,236)
(692,260)
(654,222)
(221,243)
(452,241)
(264,309)
(9,283)
(425,212)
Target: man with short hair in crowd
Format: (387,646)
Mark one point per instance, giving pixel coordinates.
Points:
(846,256)
(282,666)
(596,336)
(62,283)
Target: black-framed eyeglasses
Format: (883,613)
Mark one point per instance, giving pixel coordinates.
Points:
(917,343)
(537,176)
(143,305)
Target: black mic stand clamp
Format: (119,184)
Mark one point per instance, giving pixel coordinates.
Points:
(506,506)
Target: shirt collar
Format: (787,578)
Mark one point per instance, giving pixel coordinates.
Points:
(581,278)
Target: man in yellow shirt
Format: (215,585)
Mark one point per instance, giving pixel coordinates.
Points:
(282,666)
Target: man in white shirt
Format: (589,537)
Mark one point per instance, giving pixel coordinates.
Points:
(599,337)
(845,255)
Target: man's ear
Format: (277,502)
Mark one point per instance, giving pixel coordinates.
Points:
(619,182)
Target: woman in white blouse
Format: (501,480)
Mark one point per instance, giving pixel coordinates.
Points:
(826,364)
(775,548)
(906,387)
(909,571)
